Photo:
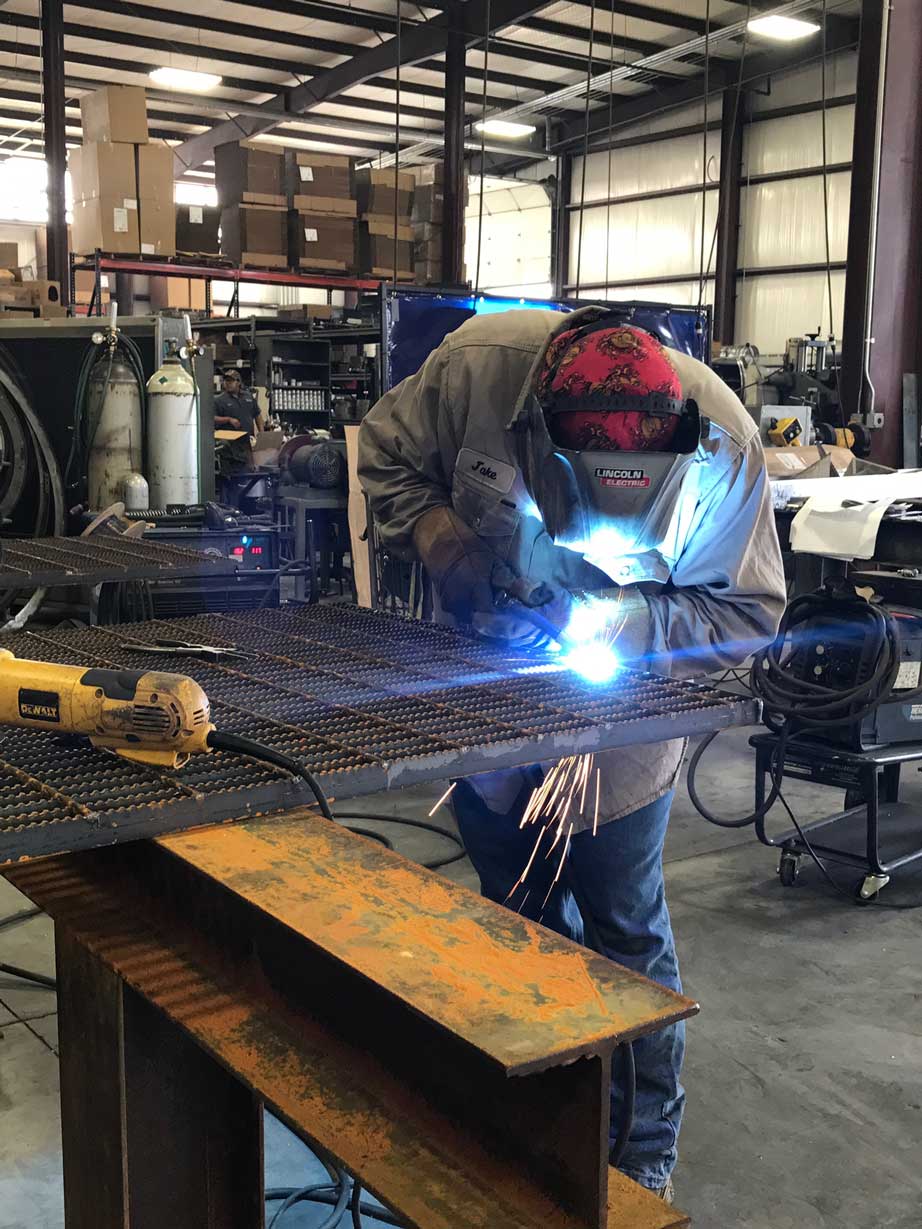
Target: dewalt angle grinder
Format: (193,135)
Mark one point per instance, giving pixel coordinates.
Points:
(147,716)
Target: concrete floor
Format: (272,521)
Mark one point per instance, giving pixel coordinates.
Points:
(804,1069)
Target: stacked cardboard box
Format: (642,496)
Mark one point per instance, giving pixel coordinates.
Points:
(250,180)
(385,198)
(177,294)
(123,184)
(428,222)
(197,229)
(322,211)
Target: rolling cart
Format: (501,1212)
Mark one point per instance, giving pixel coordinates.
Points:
(876,834)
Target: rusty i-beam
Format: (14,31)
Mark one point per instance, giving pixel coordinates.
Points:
(450,1054)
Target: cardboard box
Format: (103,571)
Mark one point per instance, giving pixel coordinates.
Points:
(197,228)
(807,461)
(16,295)
(307,311)
(375,192)
(177,294)
(430,173)
(106,223)
(255,234)
(249,174)
(115,113)
(376,248)
(321,241)
(84,281)
(53,311)
(103,169)
(325,204)
(9,253)
(155,173)
(429,204)
(156,227)
(17,313)
(42,292)
(313,174)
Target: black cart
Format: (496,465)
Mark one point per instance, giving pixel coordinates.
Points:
(876,833)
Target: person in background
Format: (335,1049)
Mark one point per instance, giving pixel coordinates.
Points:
(235,408)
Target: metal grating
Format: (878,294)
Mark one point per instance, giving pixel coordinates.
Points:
(104,557)
(367,701)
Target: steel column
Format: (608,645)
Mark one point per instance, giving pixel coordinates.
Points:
(728,216)
(862,214)
(453,207)
(896,324)
(55,149)
(560,217)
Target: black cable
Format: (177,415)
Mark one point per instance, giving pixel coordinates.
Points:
(355,1205)
(277,579)
(330,1199)
(447,860)
(488,18)
(239,745)
(582,192)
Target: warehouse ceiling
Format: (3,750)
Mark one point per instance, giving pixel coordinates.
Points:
(337,61)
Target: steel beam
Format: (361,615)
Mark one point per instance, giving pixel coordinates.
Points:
(728,215)
(398,1021)
(855,393)
(560,244)
(419,43)
(842,35)
(455,179)
(53,116)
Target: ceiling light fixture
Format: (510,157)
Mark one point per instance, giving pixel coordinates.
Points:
(504,128)
(185,79)
(783,29)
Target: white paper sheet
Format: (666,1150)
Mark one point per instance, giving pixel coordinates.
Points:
(837,528)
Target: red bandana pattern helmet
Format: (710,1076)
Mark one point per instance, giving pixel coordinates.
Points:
(610,390)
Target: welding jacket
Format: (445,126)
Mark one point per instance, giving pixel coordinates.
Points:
(467,430)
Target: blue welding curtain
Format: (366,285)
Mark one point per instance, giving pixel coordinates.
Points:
(416,321)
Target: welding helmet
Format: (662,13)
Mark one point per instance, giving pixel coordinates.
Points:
(624,439)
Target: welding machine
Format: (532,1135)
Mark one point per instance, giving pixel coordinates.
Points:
(842,652)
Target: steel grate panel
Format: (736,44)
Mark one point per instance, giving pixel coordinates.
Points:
(100,558)
(365,700)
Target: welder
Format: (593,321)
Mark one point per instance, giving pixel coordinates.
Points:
(572,455)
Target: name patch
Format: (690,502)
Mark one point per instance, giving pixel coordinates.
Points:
(487,471)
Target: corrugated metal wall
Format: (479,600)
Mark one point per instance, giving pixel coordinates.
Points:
(650,248)
(516,232)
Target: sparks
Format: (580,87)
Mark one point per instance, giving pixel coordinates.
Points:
(443,799)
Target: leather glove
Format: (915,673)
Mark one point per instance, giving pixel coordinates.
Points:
(459,562)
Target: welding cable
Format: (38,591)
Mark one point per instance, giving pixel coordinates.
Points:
(306,1194)
(355,1205)
(793,704)
(330,1197)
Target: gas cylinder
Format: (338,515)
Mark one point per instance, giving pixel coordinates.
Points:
(113,409)
(136,493)
(172,436)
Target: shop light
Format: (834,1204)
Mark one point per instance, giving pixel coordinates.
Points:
(782,29)
(504,128)
(185,79)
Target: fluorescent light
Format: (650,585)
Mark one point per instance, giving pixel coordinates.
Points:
(784,29)
(185,79)
(504,128)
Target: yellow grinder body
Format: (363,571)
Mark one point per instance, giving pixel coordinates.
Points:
(144,715)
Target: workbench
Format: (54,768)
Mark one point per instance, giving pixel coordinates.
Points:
(451,1055)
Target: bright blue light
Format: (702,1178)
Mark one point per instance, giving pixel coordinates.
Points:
(595,661)
(245,540)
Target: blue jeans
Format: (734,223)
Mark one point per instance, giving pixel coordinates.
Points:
(619,873)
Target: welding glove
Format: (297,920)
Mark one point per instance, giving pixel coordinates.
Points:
(469,578)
